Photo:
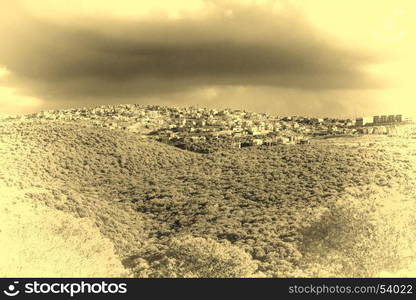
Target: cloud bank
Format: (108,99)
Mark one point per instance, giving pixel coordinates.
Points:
(95,60)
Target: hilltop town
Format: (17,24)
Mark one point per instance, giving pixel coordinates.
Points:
(207,130)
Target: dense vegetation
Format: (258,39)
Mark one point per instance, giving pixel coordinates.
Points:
(255,208)
(37,241)
(210,145)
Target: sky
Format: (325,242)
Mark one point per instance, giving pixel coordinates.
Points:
(325,58)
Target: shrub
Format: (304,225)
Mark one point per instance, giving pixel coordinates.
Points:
(197,257)
(361,235)
(37,241)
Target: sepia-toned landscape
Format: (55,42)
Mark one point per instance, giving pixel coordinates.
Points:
(207,139)
(113,200)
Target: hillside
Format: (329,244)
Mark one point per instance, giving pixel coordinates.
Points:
(37,241)
(162,207)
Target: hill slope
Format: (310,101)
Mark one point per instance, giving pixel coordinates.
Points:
(154,201)
(38,241)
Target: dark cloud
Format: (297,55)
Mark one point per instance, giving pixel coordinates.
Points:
(95,59)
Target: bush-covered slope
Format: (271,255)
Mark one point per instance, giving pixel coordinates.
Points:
(37,241)
(146,196)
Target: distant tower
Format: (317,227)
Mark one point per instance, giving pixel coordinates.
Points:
(355,111)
